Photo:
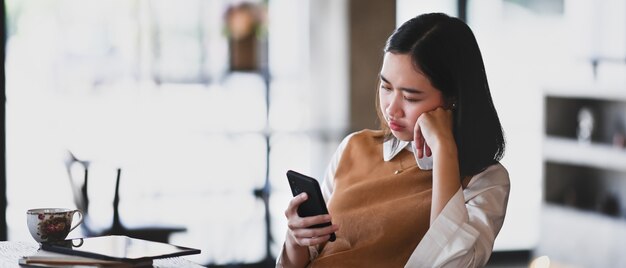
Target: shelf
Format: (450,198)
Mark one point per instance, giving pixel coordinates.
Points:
(569,151)
(582,238)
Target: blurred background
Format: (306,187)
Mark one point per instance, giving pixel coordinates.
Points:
(185,115)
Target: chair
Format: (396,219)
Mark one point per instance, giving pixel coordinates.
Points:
(81,199)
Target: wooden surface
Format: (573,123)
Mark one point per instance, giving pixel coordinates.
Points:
(12,251)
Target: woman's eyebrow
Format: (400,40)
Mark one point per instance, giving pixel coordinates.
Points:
(409,90)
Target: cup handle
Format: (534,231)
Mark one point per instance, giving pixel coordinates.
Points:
(80,215)
(80,243)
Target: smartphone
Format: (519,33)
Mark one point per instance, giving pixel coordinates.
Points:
(315,204)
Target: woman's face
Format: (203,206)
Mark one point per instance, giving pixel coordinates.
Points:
(405,93)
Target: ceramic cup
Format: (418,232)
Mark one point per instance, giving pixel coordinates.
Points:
(51,224)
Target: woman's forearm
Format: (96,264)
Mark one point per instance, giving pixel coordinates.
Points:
(446,178)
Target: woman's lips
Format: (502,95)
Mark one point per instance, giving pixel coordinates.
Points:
(395,126)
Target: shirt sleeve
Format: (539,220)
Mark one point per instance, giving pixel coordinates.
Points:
(328,183)
(464,233)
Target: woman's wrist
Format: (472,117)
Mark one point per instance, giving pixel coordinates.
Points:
(291,242)
(445,146)
(294,255)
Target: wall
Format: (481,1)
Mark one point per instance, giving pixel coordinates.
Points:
(370,23)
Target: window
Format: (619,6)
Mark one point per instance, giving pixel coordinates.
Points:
(148,86)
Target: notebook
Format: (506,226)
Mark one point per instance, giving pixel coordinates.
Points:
(118,248)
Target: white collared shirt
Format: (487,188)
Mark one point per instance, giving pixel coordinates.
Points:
(464,233)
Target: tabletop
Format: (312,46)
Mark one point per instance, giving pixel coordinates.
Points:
(12,251)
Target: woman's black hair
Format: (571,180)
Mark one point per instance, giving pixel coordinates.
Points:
(445,50)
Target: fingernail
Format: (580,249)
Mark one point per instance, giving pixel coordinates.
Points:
(303,195)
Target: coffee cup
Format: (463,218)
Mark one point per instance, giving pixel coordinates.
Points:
(52,224)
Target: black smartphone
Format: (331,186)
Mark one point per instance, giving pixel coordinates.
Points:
(315,204)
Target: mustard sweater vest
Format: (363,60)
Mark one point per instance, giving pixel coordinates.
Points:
(382,215)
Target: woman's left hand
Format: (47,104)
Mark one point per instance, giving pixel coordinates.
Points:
(432,129)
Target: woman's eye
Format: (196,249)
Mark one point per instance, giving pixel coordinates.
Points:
(410,99)
(386,88)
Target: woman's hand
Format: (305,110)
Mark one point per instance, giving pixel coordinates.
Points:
(299,232)
(433,128)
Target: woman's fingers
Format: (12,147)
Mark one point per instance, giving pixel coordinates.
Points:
(298,222)
(315,232)
(314,236)
(312,241)
(418,139)
(292,208)
(305,236)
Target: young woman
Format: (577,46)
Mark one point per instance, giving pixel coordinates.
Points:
(427,189)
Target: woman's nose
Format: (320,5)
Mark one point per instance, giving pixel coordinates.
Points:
(394,109)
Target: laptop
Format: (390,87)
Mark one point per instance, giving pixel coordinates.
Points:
(118,248)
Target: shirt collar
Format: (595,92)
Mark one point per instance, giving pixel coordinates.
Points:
(393,147)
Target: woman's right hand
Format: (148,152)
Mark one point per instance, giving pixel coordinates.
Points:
(299,232)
